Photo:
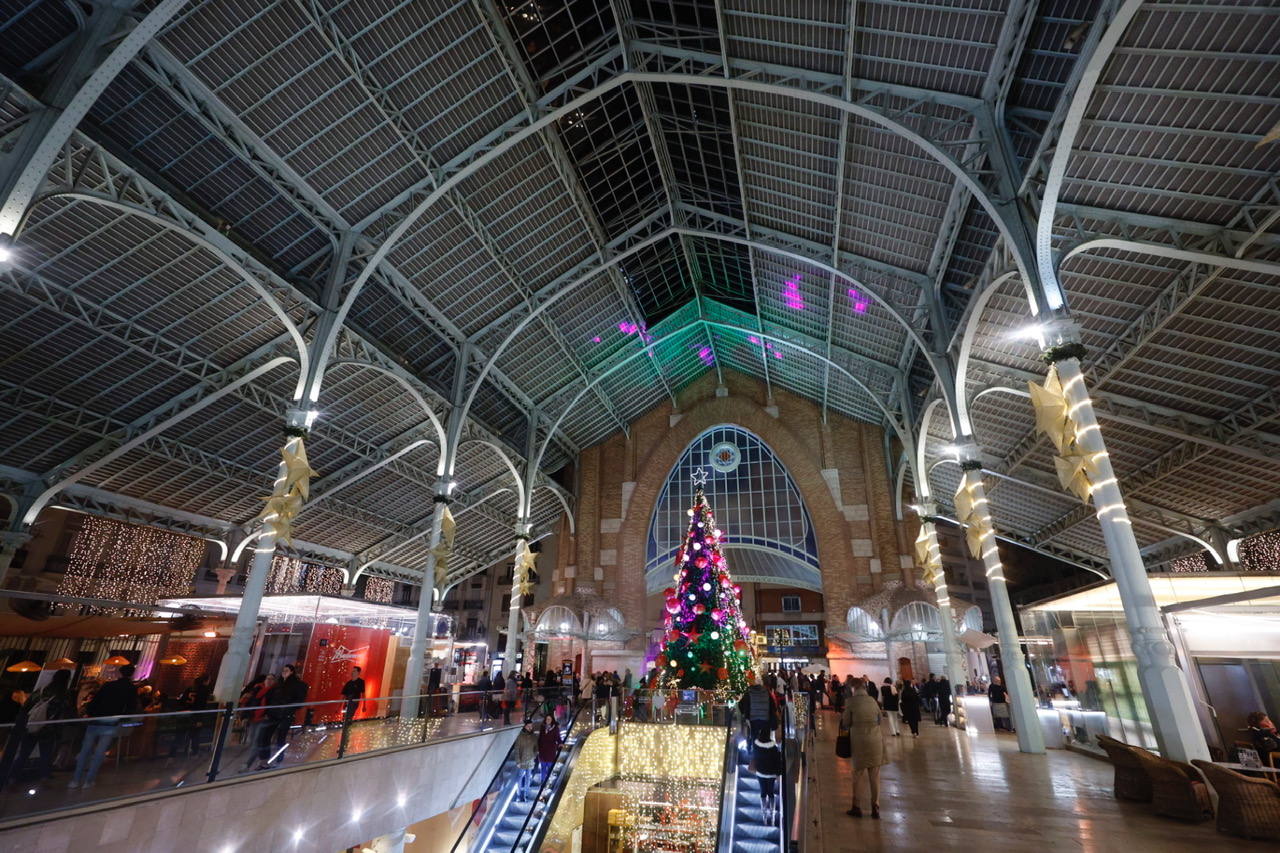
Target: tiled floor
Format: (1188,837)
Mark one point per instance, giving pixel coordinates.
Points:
(948,790)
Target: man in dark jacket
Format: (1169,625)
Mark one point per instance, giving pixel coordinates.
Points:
(112,700)
(293,691)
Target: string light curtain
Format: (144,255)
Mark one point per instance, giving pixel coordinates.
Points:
(1261,552)
(128,562)
(379,589)
(290,575)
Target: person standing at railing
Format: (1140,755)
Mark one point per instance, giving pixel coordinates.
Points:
(258,733)
(526,755)
(113,700)
(32,729)
(510,695)
(194,698)
(484,687)
(276,720)
(293,692)
(548,745)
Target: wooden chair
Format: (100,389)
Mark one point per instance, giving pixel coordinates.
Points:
(1247,807)
(1132,781)
(1177,789)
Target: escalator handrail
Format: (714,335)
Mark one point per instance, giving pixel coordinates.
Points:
(567,767)
(728,791)
(475,809)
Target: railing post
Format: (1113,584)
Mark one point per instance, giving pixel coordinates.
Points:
(220,741)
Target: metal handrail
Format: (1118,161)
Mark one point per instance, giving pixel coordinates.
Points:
(728,787)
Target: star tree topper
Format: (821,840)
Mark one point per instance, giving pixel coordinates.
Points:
(700,478)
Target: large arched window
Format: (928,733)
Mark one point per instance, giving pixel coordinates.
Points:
(768,534)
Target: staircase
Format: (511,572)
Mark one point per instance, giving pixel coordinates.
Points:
(751,832)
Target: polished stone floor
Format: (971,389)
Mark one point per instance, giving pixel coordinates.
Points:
(948,790)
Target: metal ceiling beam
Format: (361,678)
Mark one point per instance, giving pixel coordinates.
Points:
(76,86)
(218,119)
(565,167)
(722,34)
(335,38)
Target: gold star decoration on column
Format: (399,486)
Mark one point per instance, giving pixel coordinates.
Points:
(927,555)
(448,528)
(525,561)
(974,517)
(1053,419)
(283,507)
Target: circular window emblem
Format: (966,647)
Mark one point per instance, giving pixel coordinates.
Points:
(725,457)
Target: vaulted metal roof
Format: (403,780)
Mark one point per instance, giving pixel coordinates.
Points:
(551,216)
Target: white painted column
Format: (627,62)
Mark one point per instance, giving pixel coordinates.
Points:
(1022,704)
(424,628)
(950,642)
(1164,684)
(234,669)
(517,598)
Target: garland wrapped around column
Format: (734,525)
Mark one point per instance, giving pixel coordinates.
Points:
(1076,468)
(291,491)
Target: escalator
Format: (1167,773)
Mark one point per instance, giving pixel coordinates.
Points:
(753,831)
(500,822)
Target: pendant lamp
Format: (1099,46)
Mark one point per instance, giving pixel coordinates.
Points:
(61,663)
(24,666)
(116,660)
(174,660)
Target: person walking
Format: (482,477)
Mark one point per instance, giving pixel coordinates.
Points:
(510,695)
(548,745)
(861,719)
(943,702)
(889,702)
(526,756)
(113,700)
(909,706)
(998,696)
(768,761)
(759,710)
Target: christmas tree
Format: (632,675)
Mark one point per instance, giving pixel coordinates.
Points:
(707,640)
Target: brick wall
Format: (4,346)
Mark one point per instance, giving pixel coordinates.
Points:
(838,465)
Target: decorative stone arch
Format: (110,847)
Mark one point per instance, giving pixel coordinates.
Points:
(803,462)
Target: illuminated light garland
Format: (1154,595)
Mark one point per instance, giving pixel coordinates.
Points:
(127,562)
(290,575)
(1260,552)
(379,589)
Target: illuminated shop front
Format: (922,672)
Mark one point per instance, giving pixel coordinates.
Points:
(1225,628)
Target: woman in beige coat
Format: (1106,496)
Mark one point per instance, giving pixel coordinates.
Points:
(862,719)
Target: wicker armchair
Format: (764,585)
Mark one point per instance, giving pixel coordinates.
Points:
(1177,789)
(1132,781)
(1247,807)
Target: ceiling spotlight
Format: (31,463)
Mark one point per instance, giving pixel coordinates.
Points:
(1029,332)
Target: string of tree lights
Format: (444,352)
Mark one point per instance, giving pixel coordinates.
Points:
(125,562)
(707,643)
